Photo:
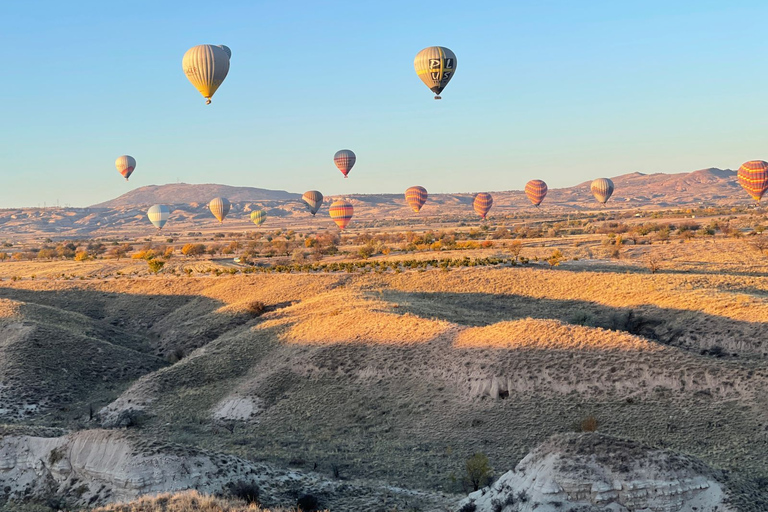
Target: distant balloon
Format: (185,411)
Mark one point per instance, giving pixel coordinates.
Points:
(206,66)
(258,217)
(435,66)
(482,204)
(314,200)
(753,177)
(416,197)
(344,160)
(158,215)
(219,207)
(536,190)
(226,50)
(125,165)
(602,188)
(341,212)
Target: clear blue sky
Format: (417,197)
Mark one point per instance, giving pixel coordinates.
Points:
(559,90)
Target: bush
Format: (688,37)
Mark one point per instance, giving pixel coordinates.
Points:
(478,471)
(589,424)
(468,507)
(256,308)
(244,490)
(308,503)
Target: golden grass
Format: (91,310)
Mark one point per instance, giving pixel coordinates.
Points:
(186,501)
(530,333)
(343,317)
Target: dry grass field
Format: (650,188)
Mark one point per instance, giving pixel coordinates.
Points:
(399,375)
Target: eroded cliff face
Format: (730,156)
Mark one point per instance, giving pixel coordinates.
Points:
(591,472)
(95,466)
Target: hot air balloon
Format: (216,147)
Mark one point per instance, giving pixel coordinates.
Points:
(158,215)
(125,165)
(753,177)
(416,197)
(314,200)
(482,204)
(219,207)
(341,212)
(602,188)
(344,160)
(435,66)
(206,66)
(258,217)
(536,190)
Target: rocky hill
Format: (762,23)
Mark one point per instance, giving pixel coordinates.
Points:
(597,473)
(184,193)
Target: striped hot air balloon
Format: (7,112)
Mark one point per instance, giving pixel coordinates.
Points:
(344,159)
(536,190)
(435,66)
(125,165)
(753,177)
(219,207)
(341,212)
(206,66)
(602,188)
(416,197)
(258,217)
(313,199)
(158,215)
(482,204)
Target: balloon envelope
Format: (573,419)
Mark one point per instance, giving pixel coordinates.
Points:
(206,66)
(219,207)
(125,165)
(482,204)
(435,66)
(416,197)
(341,212)
(258,217)
(344,160)
(313,199)
(536,190)
(753,177)
(158,215)
(226,50)
(602,188)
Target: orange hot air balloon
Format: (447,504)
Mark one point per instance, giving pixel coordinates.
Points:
(344,160)
(482,204)
(416,197)
(341,212)
(753,177)
(536,190)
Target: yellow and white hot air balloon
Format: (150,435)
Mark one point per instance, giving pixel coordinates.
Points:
(219,207)
(206,66)
(435,66)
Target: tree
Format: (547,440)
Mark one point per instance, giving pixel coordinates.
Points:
(479,471)
(193,250)
(515,247)
(155,266)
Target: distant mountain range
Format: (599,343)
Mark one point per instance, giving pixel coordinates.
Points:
(126,215)
(705,185)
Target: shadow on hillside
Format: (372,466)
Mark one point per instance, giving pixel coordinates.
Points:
(120,318)
(688,329)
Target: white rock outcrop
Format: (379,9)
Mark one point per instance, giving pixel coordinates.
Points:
(592,472)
